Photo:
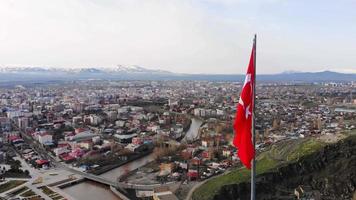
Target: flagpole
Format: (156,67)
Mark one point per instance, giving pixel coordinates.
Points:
(253,170)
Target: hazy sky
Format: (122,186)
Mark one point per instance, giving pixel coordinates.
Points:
(191,36)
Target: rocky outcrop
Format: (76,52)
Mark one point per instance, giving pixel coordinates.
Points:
(327,174)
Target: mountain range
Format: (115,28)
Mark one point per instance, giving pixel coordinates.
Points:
(117,69)
(120,72)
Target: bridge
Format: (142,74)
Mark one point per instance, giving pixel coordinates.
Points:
(142,187)
(116,184)
(91,177)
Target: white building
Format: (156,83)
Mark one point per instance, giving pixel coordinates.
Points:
(220,112)
(45,138)
(95,120)
(60,150)
(23,122)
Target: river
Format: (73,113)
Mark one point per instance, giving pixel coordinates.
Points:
(89,190)
(117,172)
(193,131)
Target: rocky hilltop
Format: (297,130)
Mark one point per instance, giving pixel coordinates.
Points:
(329,173)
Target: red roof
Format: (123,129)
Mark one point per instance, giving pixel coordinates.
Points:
(66,157)
(14,137)
(42,162)
(79,130)
(193,174)
(77,153)
(206,154)
(63,145)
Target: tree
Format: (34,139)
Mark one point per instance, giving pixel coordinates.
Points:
(17,163)
(14,168)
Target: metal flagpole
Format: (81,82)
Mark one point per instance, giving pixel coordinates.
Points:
(253,170)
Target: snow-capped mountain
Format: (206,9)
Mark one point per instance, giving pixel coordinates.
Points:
(133,69)
(117,69)
(23,69)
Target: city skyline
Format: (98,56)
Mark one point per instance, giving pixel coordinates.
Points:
(205,36)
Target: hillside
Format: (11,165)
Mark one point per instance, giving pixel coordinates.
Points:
(329,170)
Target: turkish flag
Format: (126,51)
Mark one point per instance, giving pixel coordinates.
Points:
(243,119)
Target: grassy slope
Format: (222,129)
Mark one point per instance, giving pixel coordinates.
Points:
(277,155)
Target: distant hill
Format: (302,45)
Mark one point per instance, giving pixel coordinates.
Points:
(120,72)
(309,76)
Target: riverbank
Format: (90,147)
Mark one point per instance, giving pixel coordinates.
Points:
(108,168)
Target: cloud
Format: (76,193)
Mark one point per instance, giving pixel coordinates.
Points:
(206,36)
(155,33)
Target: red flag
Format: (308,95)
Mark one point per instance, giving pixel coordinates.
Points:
(243,120)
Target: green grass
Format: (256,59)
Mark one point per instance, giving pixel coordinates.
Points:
(47,191)
(277,155)
(309,104)
(352,132)
(19,191)
(57,198)
(211,187)
(305,148)
(53,195)
(28,194)
(35,198)
(9,185)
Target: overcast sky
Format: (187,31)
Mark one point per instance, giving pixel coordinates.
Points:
(190,36)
